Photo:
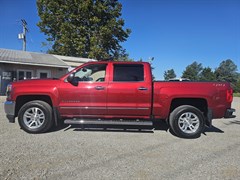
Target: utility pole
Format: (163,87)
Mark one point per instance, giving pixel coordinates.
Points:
(23,35)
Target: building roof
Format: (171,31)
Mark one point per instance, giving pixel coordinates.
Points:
(73,61)
(39,59)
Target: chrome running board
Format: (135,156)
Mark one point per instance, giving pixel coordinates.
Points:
(108,122)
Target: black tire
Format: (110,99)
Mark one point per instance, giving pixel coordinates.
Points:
(187,121)
(35,117)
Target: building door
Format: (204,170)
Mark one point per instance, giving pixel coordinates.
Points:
(5,79)
(42,74)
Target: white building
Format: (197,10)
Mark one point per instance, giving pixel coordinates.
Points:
(17,65)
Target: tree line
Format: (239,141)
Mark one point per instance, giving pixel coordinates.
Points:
(226,71)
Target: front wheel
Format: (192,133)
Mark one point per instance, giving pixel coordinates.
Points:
(35,117)
(187,121)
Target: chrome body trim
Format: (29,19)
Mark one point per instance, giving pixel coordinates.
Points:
(107,122)
(111,108)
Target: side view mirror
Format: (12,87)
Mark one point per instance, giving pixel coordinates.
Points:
(71,79)
(84,70)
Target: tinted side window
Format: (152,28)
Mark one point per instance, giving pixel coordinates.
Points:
(128,72)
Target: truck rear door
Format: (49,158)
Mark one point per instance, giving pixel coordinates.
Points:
(128,92)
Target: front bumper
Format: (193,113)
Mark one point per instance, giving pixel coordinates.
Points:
(9,108)
(229,113)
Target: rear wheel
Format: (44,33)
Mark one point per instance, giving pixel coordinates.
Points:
(35,117)
(187,121)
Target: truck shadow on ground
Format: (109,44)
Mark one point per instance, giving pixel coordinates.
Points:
(157,126)
(212,129)
(233,122)
(114,128)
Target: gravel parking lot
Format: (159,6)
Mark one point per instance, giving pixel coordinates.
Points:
(118,153)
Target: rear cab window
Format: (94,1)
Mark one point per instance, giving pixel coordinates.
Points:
(128,73)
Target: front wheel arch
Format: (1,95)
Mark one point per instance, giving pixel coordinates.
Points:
(35,116)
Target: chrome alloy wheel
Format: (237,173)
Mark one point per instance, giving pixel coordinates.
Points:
(33,118)
(188,122)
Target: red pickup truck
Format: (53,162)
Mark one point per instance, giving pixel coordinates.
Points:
(117,93)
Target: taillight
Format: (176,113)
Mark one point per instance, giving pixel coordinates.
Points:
(229,95)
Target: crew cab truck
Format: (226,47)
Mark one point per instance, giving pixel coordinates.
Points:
(117,93)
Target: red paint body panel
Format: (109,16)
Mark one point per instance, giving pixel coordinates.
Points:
(213,92)
(83,99)
(110,99)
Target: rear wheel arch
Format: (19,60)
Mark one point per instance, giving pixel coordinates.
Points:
(187,121)
(199,103)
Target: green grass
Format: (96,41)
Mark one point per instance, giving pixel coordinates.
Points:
(236,94)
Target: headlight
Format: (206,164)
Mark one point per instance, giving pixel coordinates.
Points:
(8,91)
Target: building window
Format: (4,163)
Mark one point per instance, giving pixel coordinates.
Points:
(24,74)
(28,75)
(43,74)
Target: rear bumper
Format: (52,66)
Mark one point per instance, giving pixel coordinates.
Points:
(9,108)
(229,113)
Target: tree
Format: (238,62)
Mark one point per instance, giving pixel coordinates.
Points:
(207,75)
(227,71)
(237,87)
(169,74)
(192,71)
(84,28)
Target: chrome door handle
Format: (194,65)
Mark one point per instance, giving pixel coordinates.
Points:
(142,88)
(99,88)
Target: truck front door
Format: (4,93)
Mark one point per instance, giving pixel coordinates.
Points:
(86,95)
